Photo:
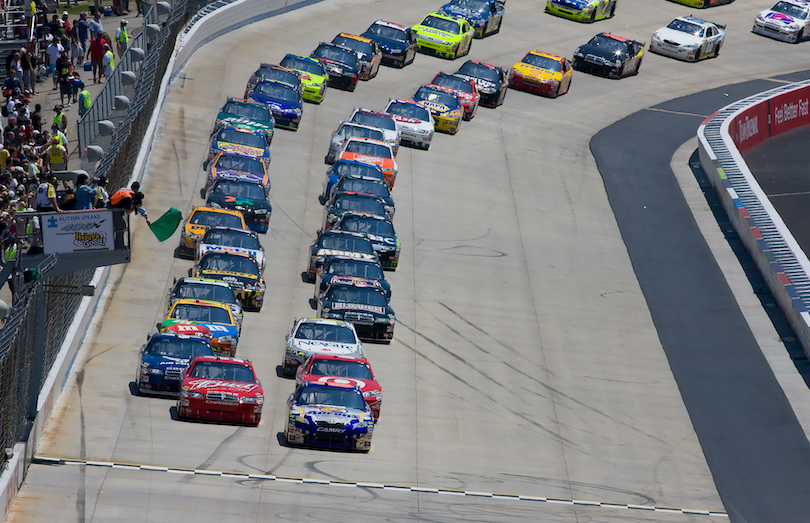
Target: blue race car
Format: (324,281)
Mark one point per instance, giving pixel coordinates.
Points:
(486,16)
(285,102)
(163,358)
(331,415)
(397,42)
(349,168)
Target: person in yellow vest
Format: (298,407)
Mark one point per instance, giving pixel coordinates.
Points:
(122,38)
(56,157)
(60,118)
(84,101)
(46,195)
(108,62)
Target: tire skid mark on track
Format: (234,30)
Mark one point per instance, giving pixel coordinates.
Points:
(217,452)
(482,331)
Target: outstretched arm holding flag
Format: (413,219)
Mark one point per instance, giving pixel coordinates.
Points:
(165,226)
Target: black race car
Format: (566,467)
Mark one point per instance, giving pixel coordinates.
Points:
(241,195)
(337,243)
(343,270)
(342,203)
(366,186)
(397,42)
(379,230)
(365,307)
(609,55)
(351,169)
(491,81)
(341,63)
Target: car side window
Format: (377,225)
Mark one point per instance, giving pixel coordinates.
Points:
(710,32)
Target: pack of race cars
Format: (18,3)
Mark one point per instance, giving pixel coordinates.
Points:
(337,399)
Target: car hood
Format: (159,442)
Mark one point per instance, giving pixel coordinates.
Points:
(244,150)
(326,347)
(347,306)
(207,385)
(365,385)
(217,329)
(579,5)
(239,203)
(601,52)
(332,414)
(354,281)
(386,164)
(193,229)
(439,108)
(430,31)
(350,254)
(386,42)
(678,37)
(537,73)
(337,67)
(231,277)
(480,83)
(778,18)
(274,103)
(240,175)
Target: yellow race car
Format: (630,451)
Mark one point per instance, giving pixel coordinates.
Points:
(542,73)
(200,220)
(582,10)
(444,105)
(444,36)
(211,319)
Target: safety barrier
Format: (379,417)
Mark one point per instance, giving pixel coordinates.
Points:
(722,138)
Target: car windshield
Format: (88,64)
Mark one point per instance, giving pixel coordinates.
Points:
(334,53)
(608,44)
(685,27)
(220,261)
(453,82)
(243,164)
(345,242)
(356,269)
(240,138)
(791,10)
(388,32)
(365,225)
(353,202)
(325,332)
(358,169)
(252,111)
(279,75)
(358,295)
(203,313)
(476,6)
(364,48)
(480,71)
(370,149)
(277,91)
(437,97)
(216,219)
(223,370)
(350,131)
(342,368)
(206,291)
(363,186)
(339,397)
(543,62)
(409,111)
(231,238)
(185,348)
(251,191)
(375,120)
(441,24)
(300,64)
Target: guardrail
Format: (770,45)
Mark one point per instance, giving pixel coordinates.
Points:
(722,138)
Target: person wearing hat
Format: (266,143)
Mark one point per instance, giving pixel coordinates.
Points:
(108,61)
(46,195)
(122,38)
(59,135)
(102,197)
(56,156)
(65,73)
(130,201)
(59,118)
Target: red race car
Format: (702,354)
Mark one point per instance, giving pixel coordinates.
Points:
(463,87)
(342,370)
(220,389)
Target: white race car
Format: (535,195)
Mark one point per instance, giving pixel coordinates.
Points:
(310,336)
(382,120)
(230,239)
(688,38)
(350,130)
(788,21)
(414,121)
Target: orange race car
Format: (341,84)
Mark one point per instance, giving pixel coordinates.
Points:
(373,152)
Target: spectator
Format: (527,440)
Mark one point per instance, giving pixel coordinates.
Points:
(65,23)
(84,193)
(59,118)
(11,82)
(108,62)
(56,156)
(85,101)
(129,200)
(59,135)
(54,51)
(95,25)
(65,73)
(139,7)
(46,195)
(76,47)
(122,38)
(15,63)
(23,110)
(36,118)
(96,52)
(102,198)
(83,29)
(25,63)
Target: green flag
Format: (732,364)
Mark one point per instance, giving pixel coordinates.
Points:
(165,226)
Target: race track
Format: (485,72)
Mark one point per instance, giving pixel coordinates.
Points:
(525,360)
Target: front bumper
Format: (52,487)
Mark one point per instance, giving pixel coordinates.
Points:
(442,50)
(219,411)
(679,53)
(310,436)
(287,120)
(608,70)
(314,93)
(543,89)
(446,125)
(415,138)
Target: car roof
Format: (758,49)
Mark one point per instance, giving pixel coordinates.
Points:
(547,55)
(363,139)
(391,24)
(223,358)
(365,215)
(357,37)
(369,111)
(336,357)
(196,280)
(323,321)
(244,101)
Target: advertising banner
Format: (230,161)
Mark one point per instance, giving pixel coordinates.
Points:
(790,110)
(750,127)
(78,231)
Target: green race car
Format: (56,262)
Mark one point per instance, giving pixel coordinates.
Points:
(247,115)
(314,77)
(582,10)
(444,36)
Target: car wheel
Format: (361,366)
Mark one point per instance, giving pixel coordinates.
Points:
(498,29)
(717,51)
(799,37)
(592,19)
(638,66)
(202,193)
(612,10)
(698,54)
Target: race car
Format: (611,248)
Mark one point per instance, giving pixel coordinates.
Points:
(367,50)
(286,102)
(465,90)
(349,130)
(245,196)
(609,55)
(372,152)
(237,166)
(349,169)
(342,370)
(379,230)
(213,315)
(342,203)
(341,64)
(444,105)
(342,270)
(240,271)
(444,36)
(227,239)
(486,16)
(310,336)
(375,188)
(489,80)
(221,389)
(787,20)
(200,219)
(364,307)
(333,416)
(335,243)
(314,77)
(204,289)
(702,3)
(414,121)
(244,114)
(688,38)
(382,120)
(237,140)
(582,10)
(397,42)
(542,73)
(162,359)
(276,73)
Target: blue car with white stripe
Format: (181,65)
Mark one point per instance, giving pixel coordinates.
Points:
(486,16)
(285,102)
(162,359)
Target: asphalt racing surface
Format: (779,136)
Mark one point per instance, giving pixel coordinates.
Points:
(527,369)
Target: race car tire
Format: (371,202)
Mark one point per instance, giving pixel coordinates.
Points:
(287,371)
(592,19)
(498,29)
(799,37)
(612,10)
(697,55)
(638,67)
(717,51)
(202,193)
